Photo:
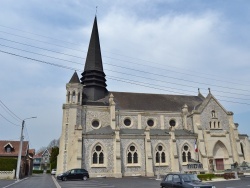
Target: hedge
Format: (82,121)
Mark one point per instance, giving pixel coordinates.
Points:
(37,171)
(205,177)
(8,164)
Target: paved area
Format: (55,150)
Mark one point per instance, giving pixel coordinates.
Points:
(34,181)
(48,181)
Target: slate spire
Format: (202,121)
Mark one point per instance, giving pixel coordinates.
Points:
(93,77)
(74,78)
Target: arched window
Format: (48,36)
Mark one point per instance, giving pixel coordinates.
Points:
(132,155)
(213,114)
(160,156)
(74,96)
(242,150)
(186,154)
(98,155)
(68,96)
(78,97)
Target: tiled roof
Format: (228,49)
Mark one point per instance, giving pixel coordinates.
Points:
(155,102)
(15,150)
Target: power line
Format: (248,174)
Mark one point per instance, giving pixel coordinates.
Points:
(9,120)
(147,73)
(130,61)
(135,83)
(41,48)
(9,111)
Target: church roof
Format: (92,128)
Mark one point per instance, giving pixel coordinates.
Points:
(94,58)
(74,78)
(154,102)
(107,130)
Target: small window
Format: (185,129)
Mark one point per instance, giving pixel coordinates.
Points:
(150,122)
(8,149)
(68,96)
(74,97)
(78,98)
(127,122)
(213,114)
(172,123)
(95,124)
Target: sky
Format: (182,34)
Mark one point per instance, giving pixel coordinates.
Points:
(160,46)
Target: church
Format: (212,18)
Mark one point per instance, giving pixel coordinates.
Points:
(116,134)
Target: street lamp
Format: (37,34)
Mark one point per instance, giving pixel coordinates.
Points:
(20,150)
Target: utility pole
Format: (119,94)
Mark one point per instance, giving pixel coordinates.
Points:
(20,151)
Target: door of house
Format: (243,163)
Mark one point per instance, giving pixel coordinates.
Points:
(219,164)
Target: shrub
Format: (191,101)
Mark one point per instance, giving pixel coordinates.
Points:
(37,171)
(205,177)
(8,164)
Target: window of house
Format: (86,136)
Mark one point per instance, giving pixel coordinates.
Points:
(98,155)
(132,155)
(186,154)
(160,156)
(8,149)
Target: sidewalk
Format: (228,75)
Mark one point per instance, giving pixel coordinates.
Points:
(221,179)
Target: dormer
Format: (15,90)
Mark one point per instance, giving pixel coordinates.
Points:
(8,148)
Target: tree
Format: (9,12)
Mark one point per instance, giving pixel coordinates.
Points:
(42,149)
(53,143)
(53,157)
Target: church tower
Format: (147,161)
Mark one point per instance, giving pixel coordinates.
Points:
(93,77)
(71,127)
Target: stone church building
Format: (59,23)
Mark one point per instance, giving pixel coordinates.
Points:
(117,134)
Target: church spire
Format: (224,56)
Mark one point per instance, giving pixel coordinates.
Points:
(94,57)
(93,77)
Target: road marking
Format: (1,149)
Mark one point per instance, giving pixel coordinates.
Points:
(15,182)
(55,182)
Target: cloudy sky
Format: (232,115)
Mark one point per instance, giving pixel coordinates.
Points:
(160,46)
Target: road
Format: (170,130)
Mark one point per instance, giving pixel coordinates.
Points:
(48,181)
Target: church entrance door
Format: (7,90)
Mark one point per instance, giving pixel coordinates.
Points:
(219,164)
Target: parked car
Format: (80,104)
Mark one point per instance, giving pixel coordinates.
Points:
(183,181)
(74,174)
(53,172)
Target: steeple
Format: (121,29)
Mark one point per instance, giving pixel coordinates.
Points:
(74,78)
(93,77)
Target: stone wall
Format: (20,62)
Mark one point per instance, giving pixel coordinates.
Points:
(7,174)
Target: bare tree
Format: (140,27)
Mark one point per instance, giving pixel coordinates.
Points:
(53,143)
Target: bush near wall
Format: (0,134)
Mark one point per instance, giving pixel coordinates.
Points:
(37,171)
(205,177)
(8,164)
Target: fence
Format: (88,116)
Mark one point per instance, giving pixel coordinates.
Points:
(7,174)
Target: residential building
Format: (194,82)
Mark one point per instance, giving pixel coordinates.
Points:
(42,160)
(10,149)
